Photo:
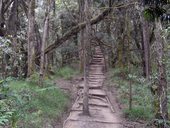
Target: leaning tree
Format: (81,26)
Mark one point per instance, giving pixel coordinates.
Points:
(156,12)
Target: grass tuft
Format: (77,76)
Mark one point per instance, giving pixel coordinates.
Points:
(66,73)
(141,94)
(138,113)
(35,106)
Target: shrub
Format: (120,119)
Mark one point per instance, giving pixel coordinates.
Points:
(28,105)
(141,95)
(66,72)
(138,113)
(34,78)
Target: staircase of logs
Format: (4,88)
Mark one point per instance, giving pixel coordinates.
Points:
(101,110)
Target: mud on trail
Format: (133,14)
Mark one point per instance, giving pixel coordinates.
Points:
(102,112)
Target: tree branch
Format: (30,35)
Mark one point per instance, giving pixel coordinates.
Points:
(75,30)
(81,26)
(7,5)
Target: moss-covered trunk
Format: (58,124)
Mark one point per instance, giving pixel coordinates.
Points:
(160,87)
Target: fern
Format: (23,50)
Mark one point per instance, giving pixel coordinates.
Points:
(5,117)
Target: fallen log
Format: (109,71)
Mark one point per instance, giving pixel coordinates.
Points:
(81,26)
(75,30)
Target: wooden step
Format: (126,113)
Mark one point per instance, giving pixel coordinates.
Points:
(91,73)
(79,107)
(95,82)
(98,69)
(97,60)
(96,78)
(99,64)
(92,86)
(95,102)
(97,56)
(95,74)
(98,74)
(98,53)
(97,92)
(96,65)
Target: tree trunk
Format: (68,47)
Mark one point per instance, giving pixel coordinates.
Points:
(31,38)
(146,47)
(42,61)
(86,56)
(1,12)
(120,54)
(81,53)
(160,89)
(81,35)
(12,30)
(75,30)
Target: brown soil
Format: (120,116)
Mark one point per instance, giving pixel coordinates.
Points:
(111,90)
(69,87)
(102,113)
(105,109)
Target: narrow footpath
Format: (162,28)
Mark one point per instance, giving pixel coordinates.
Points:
(102,113)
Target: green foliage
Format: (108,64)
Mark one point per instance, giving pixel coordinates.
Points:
(66,72)
(151,14)
(71,4)
(155,9)
(141,94)
(5,45)
(138,113)
(6,111)
(159,123)
(5,117)
(34,78)
(28,105)
(155,2)
(50,101)
(48,104)
(142,99)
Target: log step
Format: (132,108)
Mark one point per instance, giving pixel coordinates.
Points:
(91,86)
(97,92)
(95,102)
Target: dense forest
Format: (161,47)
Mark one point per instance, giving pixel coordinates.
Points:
(84,63)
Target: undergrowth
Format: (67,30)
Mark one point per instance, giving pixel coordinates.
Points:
(66,73)
(24,104)
(141,94)
(137,113)
(27,105)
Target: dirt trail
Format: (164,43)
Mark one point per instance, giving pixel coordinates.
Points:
(102,114)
